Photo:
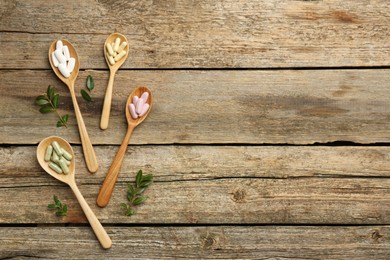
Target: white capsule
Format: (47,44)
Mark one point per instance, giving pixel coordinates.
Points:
(144,109)
(59,45)
(54,60)
(71,64)
(120,55)
(132,111)
(122,47)
(145,96)
(64,70)
(65,50)
(116,45)
(135,100)
(109,49)
(139,106)
(111,59)
(60,57)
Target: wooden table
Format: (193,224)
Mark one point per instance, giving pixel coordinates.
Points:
(269,136)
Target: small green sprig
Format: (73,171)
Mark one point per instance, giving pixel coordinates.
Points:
(134,194)
(48,102)
(90,87)
(62,209)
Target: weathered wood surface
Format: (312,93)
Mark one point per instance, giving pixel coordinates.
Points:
(300,107)
(223,242)
(213,185)
(201,34)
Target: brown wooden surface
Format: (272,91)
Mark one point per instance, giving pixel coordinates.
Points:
(268,137)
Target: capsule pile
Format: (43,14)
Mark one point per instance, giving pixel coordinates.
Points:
(59,159)
(139,106)
(115,50)
(61,59)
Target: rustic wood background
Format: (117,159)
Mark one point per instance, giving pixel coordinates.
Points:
(268,137)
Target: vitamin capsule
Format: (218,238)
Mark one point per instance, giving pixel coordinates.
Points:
(122,47)
(57,148)
(64,70)
(49,151)
(59,45)
(116,45)
(139,106)
(132,111)
(55,167)
(145,109)
(66,161)
(65,50)
(145,96)
(66,155)
(63,166)
(55,158)
(111,60)
(60,56)
(54,60)
(109,49)
(120,55)
(135,100)
(71,64)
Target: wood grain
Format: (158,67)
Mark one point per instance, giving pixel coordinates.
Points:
(213,185)
(222,242)
(201,34)
(251,107)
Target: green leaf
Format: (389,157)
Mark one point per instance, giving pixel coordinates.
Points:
(65,208)
(145,184)
(90,83)
(51,206)
(55,100)
(130,212)
(123,205)
(46,109)
(139,191)
(138,178)
(50,92)
(148,177)
(139,200)
(60,213)
(65,118)
(56,200)
(85,95)
(41,100)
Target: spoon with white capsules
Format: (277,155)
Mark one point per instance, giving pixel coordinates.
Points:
(89,153)
(115,56)
(69,179)
(112,175)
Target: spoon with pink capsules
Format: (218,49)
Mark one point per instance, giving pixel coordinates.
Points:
(138,106)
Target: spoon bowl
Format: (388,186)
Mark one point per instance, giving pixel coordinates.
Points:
(113,69)
(112,175)
(69,179)
(89,153)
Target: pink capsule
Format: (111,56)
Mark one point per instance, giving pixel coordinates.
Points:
(132,111)
(145,109)
(140,104)
(135,100)
(145,96)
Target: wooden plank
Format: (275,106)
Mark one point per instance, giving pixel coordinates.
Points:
(189,188)
(200,34)
(223,242)
(293,106)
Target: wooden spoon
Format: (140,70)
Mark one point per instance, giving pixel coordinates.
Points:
(113,69)
(89,153)
(69,179)
(112,175)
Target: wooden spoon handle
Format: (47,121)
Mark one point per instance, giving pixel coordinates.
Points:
(112,174)
(89,153)
(107,102)
(97,227)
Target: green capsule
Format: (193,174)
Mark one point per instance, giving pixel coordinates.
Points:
(55,167)
(63,166)
(49,151)
(66,155)
(57,148)
(55,158)
(66,161)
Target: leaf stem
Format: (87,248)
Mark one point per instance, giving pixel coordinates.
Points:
(55,110)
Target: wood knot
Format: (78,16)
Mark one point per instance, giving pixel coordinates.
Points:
(376,235)
(239,195)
